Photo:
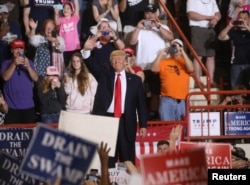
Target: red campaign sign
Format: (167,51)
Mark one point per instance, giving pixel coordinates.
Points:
(148,144)
(218,154)
(175,168)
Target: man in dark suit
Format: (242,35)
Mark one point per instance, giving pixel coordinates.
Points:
(133,101)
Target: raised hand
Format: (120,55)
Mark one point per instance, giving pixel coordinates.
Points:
(175,133)
(33,24)
(103,152)
(90,43)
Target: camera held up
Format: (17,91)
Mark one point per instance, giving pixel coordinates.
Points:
(105,33)
(173,49)
(237,22)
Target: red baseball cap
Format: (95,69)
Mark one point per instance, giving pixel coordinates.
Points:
(129,51)
(17,43)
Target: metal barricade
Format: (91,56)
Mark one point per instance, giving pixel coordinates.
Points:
(206,114)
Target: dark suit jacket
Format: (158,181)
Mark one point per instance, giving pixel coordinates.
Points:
(134,101)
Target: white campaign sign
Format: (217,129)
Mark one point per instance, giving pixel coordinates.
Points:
(91,127)
(204,124)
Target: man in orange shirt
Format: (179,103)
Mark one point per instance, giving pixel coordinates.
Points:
(174,71)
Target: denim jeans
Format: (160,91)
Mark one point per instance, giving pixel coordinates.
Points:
(235,73)
(170,109)
(50,118)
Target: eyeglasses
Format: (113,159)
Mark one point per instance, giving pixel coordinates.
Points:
(175,68)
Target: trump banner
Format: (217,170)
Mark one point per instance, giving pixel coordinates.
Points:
(237,123)
(176,168)
(54,154)
(204,124)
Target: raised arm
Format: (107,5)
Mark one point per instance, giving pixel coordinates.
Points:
(122,5)
(7,74)
(32,73)
(97,16)
(119,44)
(188,61)
(103,155)
(166,34)
(114,10)
(156,63)
(56,16)
(26,13)
(174,135)
(32,26)
(134,36)
(76,7)
(223,35)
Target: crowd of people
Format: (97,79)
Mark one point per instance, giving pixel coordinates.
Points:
(51,62)
(54,34)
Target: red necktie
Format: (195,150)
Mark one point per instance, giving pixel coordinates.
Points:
(118,97)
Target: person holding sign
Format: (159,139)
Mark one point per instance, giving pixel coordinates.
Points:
(123,105)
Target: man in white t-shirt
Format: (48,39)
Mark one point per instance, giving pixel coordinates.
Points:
(150,36)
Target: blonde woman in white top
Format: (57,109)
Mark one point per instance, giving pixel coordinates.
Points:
(80,86)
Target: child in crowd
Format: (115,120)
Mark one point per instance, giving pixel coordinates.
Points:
(51,96)
(68,28)
(80,86)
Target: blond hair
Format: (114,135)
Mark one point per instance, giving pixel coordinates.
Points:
(117,53)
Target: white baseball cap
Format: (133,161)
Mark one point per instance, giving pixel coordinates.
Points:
(112,24)
(178,41)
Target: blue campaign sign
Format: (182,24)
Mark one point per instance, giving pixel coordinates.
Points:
(9,172)
(54,154)
(237,123)
(15,141)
